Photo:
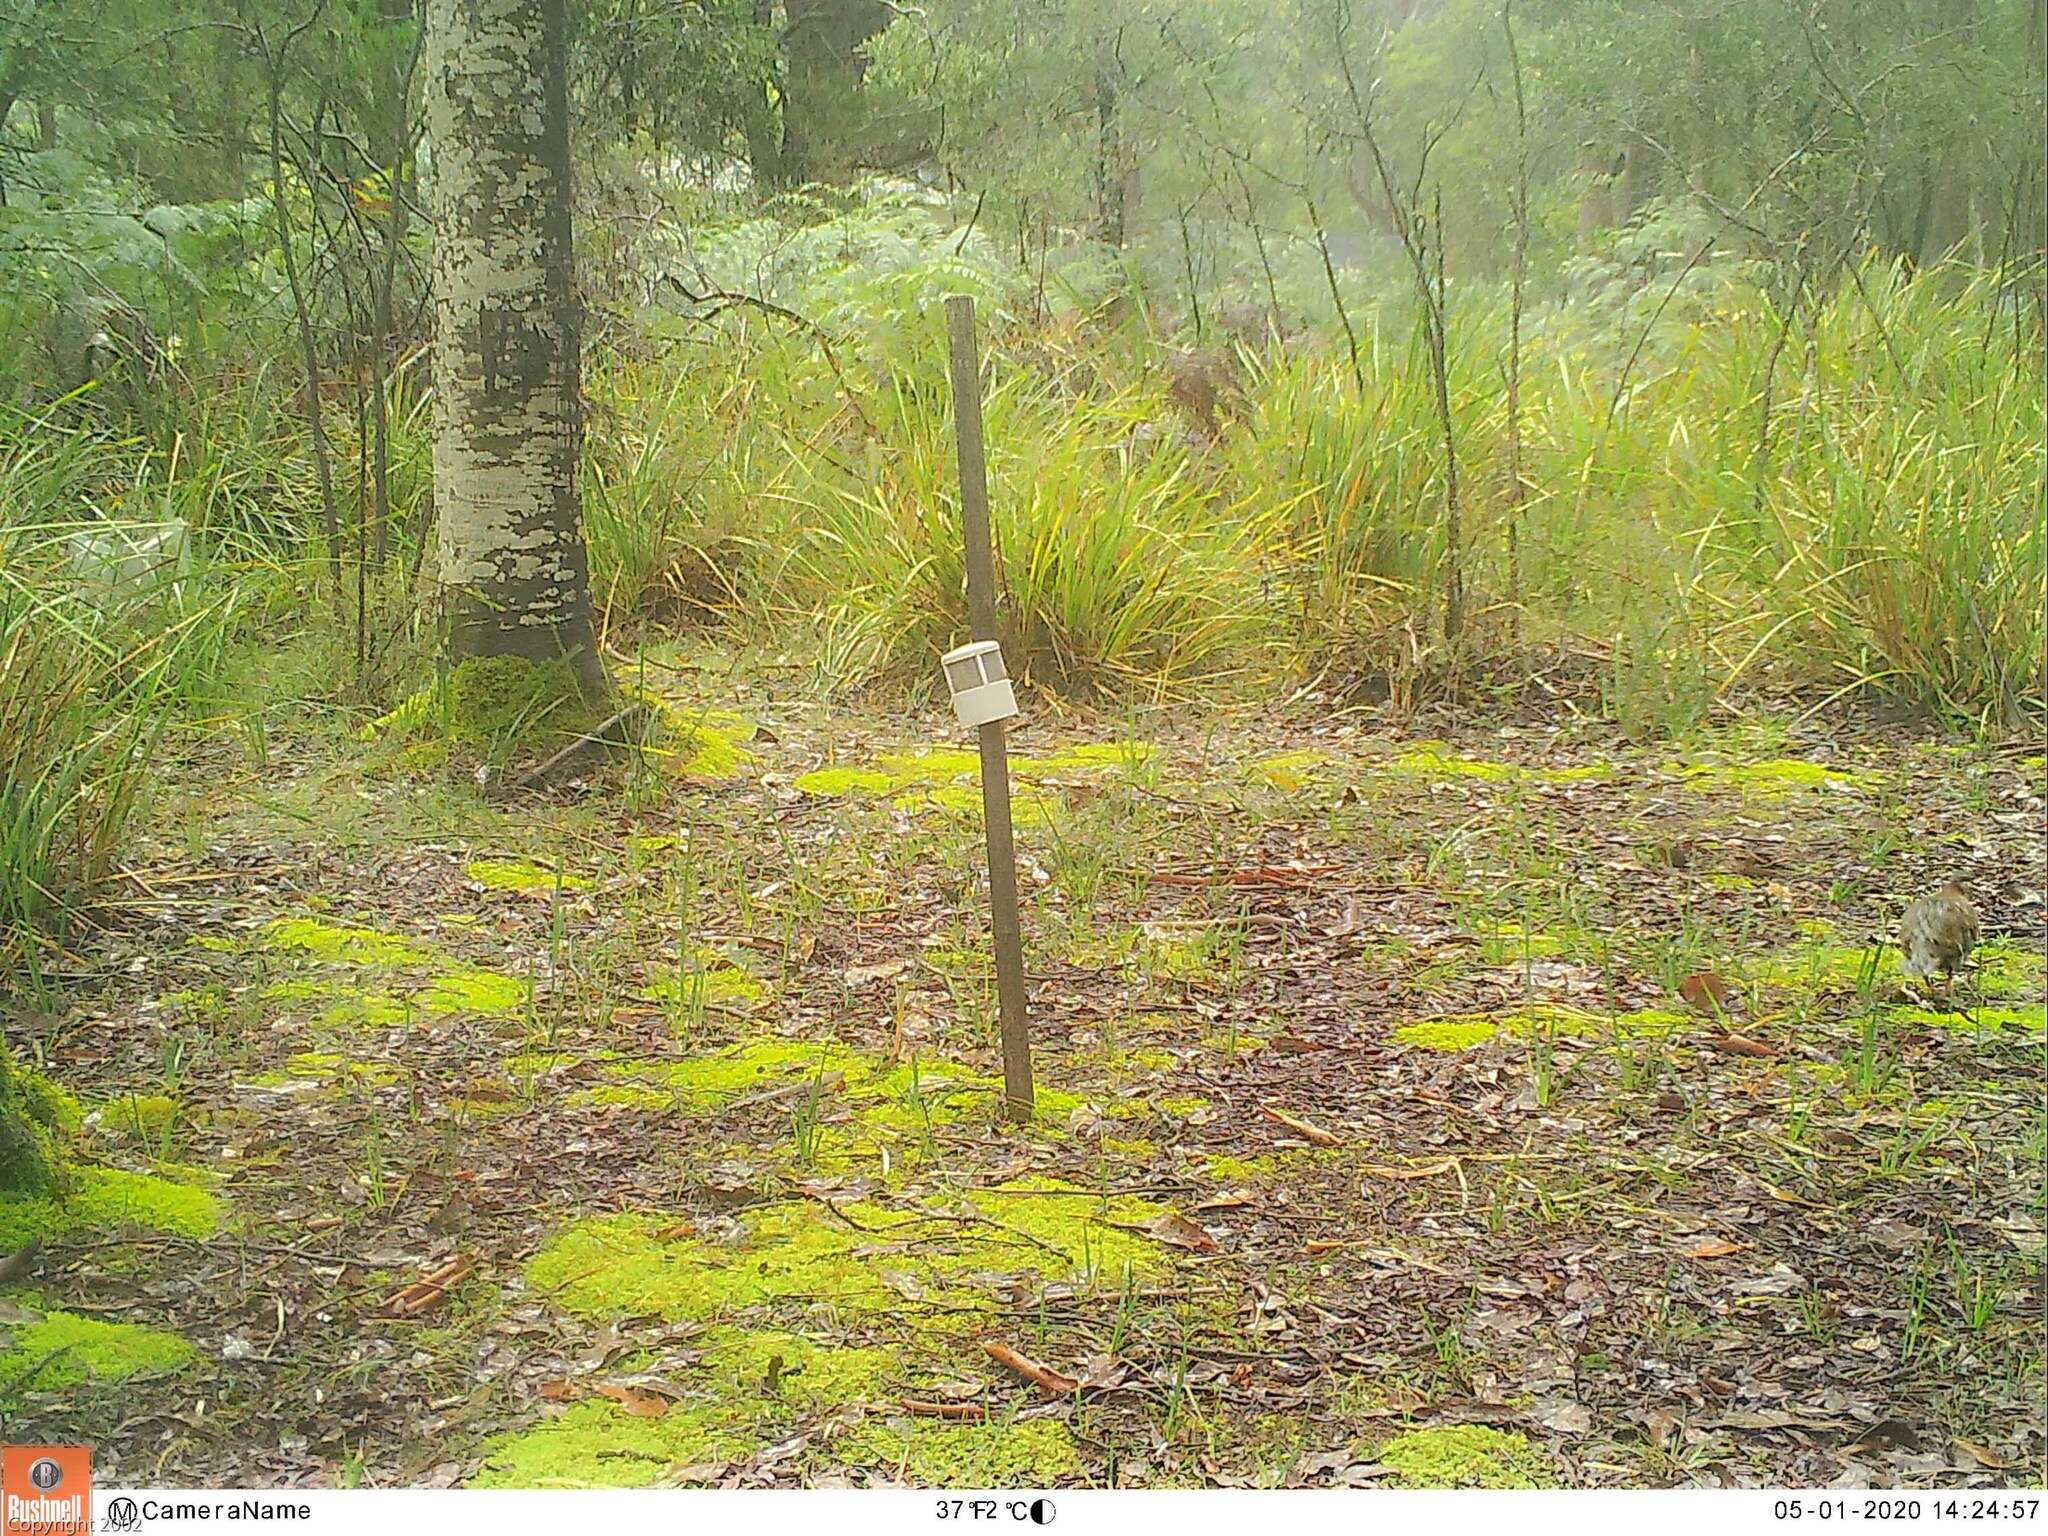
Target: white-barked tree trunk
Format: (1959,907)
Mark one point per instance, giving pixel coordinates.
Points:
(507,407)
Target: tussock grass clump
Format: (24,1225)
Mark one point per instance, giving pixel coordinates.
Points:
(1893,529)
(1118,567)
(98,651)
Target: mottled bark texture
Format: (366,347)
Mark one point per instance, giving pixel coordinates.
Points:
(507,408)
(822,70)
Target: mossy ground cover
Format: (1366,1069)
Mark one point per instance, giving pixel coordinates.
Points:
(109,1200)
(57,1350)
(1362,1087)
(368,976)
(1465,1456)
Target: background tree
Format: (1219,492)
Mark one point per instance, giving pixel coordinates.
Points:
(507,412)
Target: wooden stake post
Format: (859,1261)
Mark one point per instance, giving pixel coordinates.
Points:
(995,758)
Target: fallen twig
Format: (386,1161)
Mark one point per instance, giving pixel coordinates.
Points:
(942,1410)
(411,1300)
(592,743)
(1301,1128)
(1041,1376)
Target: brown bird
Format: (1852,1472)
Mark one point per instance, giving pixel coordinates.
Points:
(1938,932)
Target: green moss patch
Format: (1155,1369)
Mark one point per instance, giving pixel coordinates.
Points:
(1292,770)
(1028,807)
(1465,1456)
(1241,1170)
(1508,942)
(351,946)
(1771,777)
(833,782)
(2007,968)
(895,1103)
(1434,760)
(596,1444)
(949,778)
(794,1370)
(141,1116)
(100,1198)
(1964,1016)
(753,1385)
(1463,1032)
(489,705)
(521,875)
(936,1454)
(1446,1034)
(60,1349)
(340,1002)
(447,986)
(1095,756)
(613,1266)
(37,1119)
(692,742)
(715,983)
(325,1065)
(719,1077)
(472,989)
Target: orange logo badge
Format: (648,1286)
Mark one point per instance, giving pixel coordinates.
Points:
(46,1490)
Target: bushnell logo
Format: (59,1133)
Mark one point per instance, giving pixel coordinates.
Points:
(46,1490)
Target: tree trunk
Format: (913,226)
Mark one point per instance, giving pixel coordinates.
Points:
(28,1126)
(507,406)
(1110,180)
(1947,224)
(822,69)
(760,122)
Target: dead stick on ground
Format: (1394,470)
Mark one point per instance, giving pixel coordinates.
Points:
(422,1294)
(612,733)
(942,1410)
(1302,1128)
(1040,1375)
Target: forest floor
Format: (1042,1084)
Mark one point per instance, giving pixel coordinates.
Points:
(647,1133)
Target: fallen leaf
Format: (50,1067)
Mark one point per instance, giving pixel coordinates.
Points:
(693,1473)
(1424,1171)
(1563,1415)
(1301,1128)
(1711,1249)
(1982,1457)
(1172,1227)
(2023,1233)
(641,1405)
(903,1283)
(1229,1200)
(1709,992)
(1742,1045)
(858,976)
(1319,1464)
(1100,1372)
